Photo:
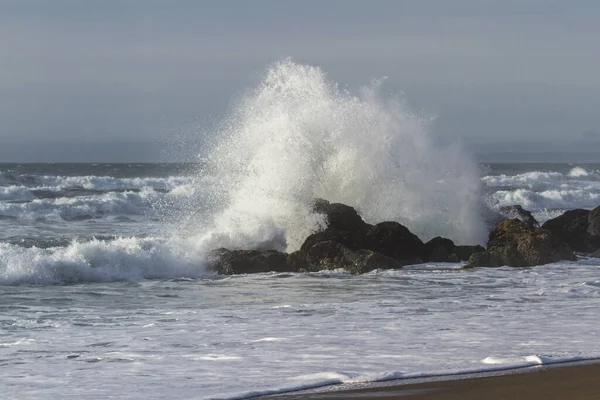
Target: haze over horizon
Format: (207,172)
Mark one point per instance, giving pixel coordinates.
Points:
(141,80)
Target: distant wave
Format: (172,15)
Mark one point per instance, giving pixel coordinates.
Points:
(547,194)
(77,197)
(91,182)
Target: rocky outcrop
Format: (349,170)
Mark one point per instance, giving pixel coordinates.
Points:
(347,242)
(439,249)
(332,255)
(463,253)
(594,222)
(229,262)
(339,216)
(396,241)
(518,212)
(515,244)
(577,227)
(346,227)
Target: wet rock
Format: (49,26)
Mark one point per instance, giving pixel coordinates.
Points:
(463,253)
(296,261)
(332,255)
(518,212)
(438,249)
(229,262)
(594,222)
(354,240)
(574,228)
(596,254)
(515,244)
(347,228)
(396,241)
(340,216)
(452,258)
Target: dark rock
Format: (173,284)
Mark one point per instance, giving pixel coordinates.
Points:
(438,249)
(465,252)
(340,216)
(594,222)
(354,240)
(395,240)
(296,261)
(573,227)
(452,258)
(596,254)
(228,262)
(518,212)
(332,255)
(347,228)
(514,244)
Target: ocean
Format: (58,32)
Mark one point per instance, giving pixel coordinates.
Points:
(102,295)
(104,290)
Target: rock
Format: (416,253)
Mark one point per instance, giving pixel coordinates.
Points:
(332,255)
(573,227)
(594,222)
(438,249)
(228,262)
(515,244)
(340,216)
(354,240)
(347,228)
(518,212)
(452,258)
(463,253)
(296,261)
(396,241)
(596,254)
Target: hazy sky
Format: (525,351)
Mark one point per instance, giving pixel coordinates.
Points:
(98,72)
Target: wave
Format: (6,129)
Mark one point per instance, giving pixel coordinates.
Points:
(547,199)
(539,179)
(297,136)
(95,197)
(547,194)
(112,203)
(122,259)
(105,183)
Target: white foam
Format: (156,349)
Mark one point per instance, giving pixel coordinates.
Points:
(13,193)
(298,136)
(578,172)
(122,259)
(93,182)
(553,199)
(133,203)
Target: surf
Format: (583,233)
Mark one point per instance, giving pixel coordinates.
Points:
(298,135)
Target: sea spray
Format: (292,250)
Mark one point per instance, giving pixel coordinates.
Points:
(298,136)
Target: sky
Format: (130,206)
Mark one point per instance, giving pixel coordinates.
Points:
(114,80)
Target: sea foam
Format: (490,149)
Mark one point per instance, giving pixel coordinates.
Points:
(122,259)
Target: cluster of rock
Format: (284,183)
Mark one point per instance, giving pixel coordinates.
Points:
(350,243)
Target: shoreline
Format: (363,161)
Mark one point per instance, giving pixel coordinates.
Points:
(569,379)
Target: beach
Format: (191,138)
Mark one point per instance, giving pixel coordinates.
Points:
(572,381)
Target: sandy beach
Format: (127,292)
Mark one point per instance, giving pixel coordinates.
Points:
(574,381)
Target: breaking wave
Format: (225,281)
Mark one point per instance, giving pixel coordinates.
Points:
(298,136)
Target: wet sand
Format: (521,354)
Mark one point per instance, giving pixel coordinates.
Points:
(571,382)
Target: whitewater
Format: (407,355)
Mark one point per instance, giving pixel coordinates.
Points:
(104,290)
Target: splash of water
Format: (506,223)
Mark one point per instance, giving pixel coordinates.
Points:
(298,136)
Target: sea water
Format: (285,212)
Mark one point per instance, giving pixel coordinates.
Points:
(104,290)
